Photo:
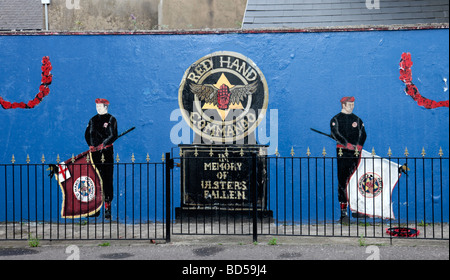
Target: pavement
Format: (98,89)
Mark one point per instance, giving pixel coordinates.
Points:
(224,247)
(236,257)
(208,252)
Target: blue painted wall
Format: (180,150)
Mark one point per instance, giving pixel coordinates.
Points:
(307,74)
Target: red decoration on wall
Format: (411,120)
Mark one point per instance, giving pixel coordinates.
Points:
(44,90)
(406,77)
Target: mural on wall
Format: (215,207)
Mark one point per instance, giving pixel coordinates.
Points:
(82,192)
(44,90)
(365,181)
(350,135)
(100,135)
(223,97)
(93,170)
(127,70)
(411,89)
(370,188)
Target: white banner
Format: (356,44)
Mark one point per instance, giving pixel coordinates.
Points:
(370,187)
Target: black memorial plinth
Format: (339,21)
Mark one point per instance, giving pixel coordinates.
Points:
(218,180)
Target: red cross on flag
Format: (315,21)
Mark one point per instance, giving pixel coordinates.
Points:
(63,172)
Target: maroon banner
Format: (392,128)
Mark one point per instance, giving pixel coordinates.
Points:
(81,186)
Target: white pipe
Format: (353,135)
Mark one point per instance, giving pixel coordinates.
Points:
(160,14)
(46,17)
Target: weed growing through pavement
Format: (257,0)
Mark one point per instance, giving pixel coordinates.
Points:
(33,241)
(272,241)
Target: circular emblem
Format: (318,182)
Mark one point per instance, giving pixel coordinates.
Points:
(370,185)
(354,124)
(223,96)
(84,189)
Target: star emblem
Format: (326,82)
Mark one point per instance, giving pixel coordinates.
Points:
(223,96)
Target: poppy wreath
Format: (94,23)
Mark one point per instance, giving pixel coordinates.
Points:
(44,90)
(411,90)
(402,232)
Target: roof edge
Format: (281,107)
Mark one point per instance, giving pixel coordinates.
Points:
(239,31)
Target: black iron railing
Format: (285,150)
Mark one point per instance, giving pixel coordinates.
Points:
(32,204)
(300,199)
(294,196)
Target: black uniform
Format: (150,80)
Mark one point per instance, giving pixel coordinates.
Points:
(103,129)
(347,129)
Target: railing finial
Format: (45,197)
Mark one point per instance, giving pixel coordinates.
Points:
(423,152)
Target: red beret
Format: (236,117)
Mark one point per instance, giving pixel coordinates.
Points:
(101,101)
(347,99)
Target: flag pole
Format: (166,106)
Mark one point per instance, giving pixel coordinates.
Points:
(52,167)
(120,135)
(323,133)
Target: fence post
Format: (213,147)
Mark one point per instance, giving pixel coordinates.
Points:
(169,166)
(254,186)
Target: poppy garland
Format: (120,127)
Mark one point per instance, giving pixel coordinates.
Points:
(411,90)
(44,90)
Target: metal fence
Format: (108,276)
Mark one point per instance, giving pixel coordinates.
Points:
(301,200)
(31,205)
(295,196)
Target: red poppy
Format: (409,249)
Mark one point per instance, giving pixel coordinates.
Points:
(406,61)
(21,105)
(31,104)
(45,60)
(46,79)
(406,75)
(5,104)
(45,91)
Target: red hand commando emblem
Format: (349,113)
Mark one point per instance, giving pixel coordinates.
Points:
(223,97)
